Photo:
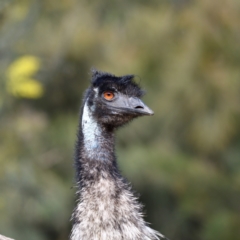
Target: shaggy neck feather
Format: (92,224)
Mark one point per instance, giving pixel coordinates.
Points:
(106,208)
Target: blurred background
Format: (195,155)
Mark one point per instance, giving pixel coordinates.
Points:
(184,161)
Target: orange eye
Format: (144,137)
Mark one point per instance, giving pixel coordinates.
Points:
(108,95)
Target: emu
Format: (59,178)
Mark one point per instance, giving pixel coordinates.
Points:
(106,207)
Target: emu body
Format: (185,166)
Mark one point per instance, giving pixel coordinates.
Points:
(106,208)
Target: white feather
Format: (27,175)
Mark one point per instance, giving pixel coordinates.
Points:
(91,130)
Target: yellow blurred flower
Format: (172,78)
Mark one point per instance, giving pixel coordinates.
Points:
(20,78)
(24,66)
(27,89)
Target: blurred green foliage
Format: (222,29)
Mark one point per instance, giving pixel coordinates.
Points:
(185,161)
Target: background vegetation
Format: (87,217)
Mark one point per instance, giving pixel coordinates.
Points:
(184,161)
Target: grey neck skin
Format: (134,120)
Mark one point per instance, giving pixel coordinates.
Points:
(95,150)
(98,141)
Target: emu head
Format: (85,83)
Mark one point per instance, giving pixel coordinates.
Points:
(114,101)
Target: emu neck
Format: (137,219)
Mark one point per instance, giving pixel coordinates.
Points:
(106,208)
(98,140)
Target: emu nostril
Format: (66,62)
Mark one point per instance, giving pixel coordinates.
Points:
(140,107)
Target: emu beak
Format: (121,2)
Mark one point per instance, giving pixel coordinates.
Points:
(132,105)
(138,106)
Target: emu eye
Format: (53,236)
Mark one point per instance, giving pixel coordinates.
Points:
(108,95)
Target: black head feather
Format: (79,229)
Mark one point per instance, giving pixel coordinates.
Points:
(124,84)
